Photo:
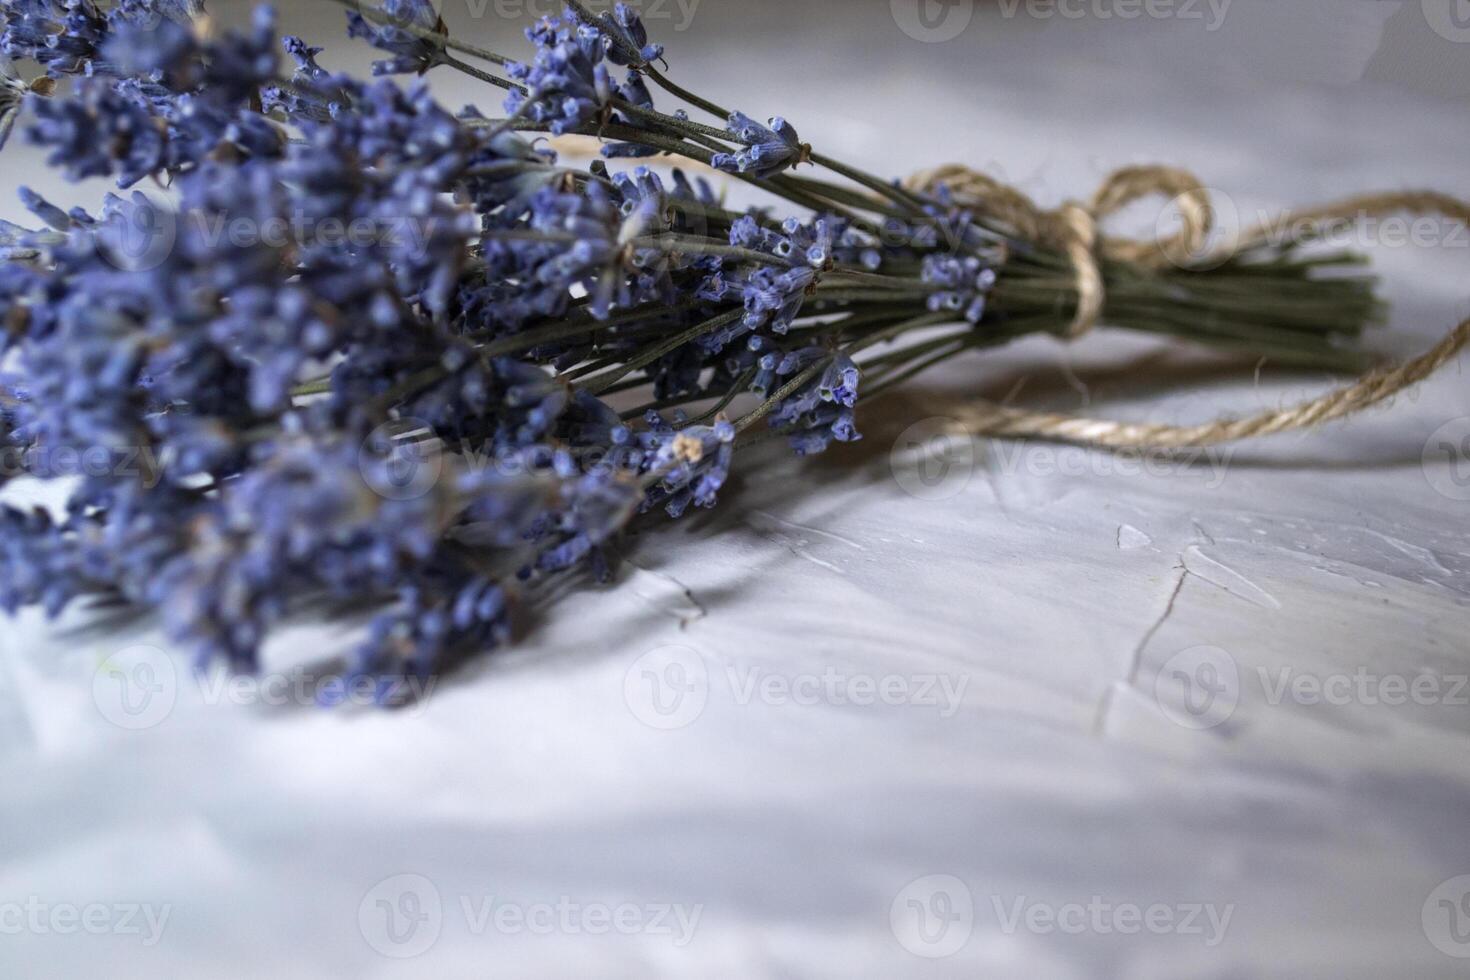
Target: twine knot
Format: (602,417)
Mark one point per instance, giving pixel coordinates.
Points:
(1073,228)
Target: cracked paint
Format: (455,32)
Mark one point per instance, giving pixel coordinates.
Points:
(1222,576)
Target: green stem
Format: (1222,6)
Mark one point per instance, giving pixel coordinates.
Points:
(599,384)
(450,61)
(897,195)
(677,91)
(561,331)
(785,391)
(685,126)
(701,246)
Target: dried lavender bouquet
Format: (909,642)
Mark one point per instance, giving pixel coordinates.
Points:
(356,345)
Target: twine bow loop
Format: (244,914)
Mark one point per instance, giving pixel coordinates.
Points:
(1073,229)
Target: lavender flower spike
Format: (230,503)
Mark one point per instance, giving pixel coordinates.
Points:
(626,34)
(769,149)
(966,282)
(381,28)
(568,81)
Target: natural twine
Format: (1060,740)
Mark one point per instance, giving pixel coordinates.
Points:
(1073,228)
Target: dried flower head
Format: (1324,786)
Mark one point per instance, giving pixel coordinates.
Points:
(687,448)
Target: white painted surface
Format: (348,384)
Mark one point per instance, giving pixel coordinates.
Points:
(1039,613)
